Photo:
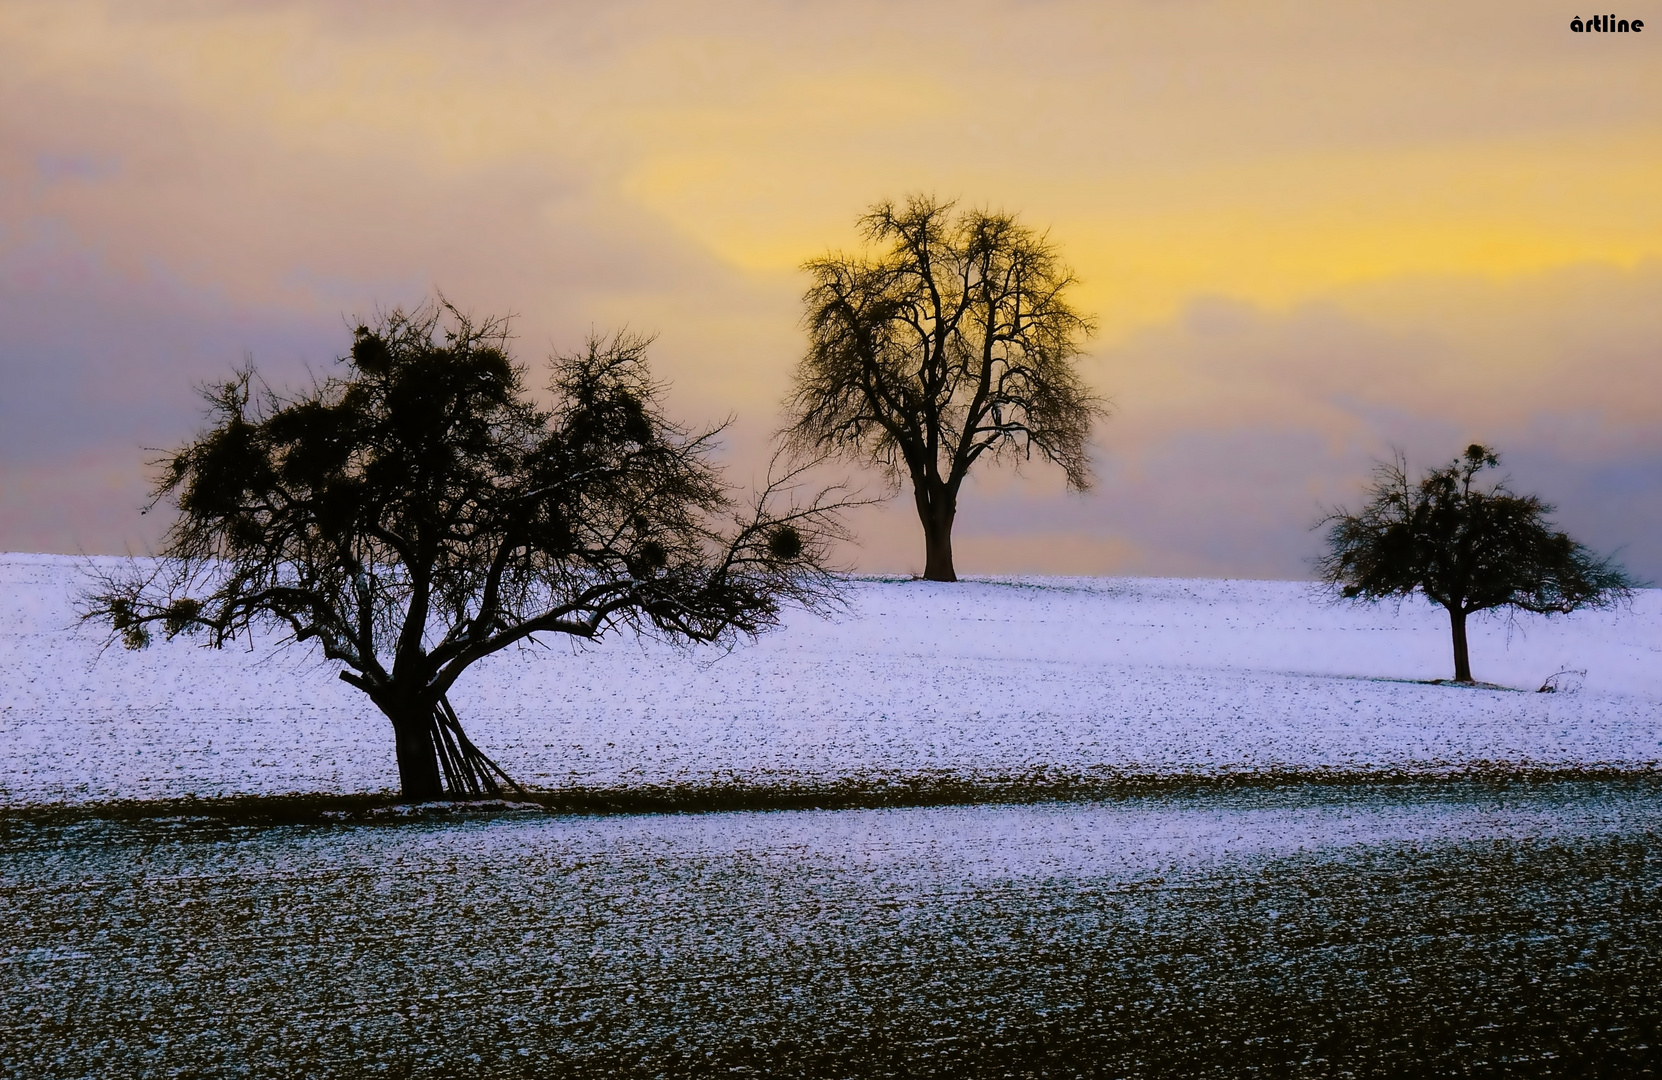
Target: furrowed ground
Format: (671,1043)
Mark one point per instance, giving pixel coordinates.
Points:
(1425,929)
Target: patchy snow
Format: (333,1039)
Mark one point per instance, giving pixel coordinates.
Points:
(1412,927)
(977,681)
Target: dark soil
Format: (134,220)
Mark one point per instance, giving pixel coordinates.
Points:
(966,941)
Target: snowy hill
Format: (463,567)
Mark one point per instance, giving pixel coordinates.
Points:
(978,681)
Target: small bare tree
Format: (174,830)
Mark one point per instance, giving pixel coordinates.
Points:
(952,342)
(1467,547)
(419,512)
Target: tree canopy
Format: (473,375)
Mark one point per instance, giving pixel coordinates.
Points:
(420,511)
(1467,547)
(953,341)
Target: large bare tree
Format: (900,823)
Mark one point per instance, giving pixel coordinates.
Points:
(949,340)
(419,512)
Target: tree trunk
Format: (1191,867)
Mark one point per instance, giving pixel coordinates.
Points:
(418,759)
(1462,659)
(436,759)
(936,510)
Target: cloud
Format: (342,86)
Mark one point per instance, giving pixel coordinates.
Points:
(1237,426)
(1310,234)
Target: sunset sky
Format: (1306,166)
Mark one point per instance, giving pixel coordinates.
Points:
(1308,234)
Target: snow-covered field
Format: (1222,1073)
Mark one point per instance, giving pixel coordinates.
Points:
(980,682)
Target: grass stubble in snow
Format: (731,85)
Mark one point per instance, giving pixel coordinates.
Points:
(1456,929)
(1275,853)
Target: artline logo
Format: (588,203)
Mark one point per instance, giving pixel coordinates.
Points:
(1606,24)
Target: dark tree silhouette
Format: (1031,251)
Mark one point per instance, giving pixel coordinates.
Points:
(419,512)
(954,341)
(1466,547)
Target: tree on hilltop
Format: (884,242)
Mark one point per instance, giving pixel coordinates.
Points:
(419,512)
(1466,547)
(954,341)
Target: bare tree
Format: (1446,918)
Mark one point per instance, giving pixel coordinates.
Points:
(419,512)
(1468,548)
(952,342)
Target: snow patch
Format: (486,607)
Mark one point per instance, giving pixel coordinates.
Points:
(1075,678)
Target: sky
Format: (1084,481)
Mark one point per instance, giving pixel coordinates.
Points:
(1310,235)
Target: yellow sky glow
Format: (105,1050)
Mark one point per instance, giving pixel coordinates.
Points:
(668,168)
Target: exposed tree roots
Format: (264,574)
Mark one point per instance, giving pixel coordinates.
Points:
(468,773)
